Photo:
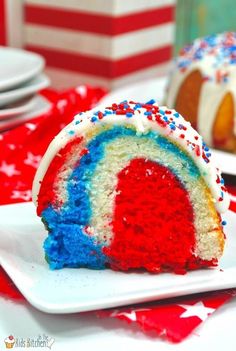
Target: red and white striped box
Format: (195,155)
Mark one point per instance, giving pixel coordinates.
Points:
(104,42)
(11,21)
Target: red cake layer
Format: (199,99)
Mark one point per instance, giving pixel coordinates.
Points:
(47,195)
(153,220)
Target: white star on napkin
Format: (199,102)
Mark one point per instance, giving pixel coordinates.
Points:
(30,126)
(24,195)
(197,310)
(8,169)
(32,160)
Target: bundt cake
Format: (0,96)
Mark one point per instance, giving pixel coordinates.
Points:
(131,186)
(202,88)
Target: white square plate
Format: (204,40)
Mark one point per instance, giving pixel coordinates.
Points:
(75,290)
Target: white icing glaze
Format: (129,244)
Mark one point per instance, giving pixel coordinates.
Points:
(212,91)
(142,124)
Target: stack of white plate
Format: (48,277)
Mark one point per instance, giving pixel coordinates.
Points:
(21,78)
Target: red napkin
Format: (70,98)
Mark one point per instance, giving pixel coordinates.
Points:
(21,150)
(172,319)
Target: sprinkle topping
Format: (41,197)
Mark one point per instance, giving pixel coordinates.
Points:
(165,118)
(167,122)
(220,49)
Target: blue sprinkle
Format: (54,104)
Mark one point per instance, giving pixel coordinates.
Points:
(198,54)
(148,113)
(206,148)
(183,64)
(232,48)
(162,112)
(77,122)
(172,126)
(126,106)
(71,132)
(208,154)
(223,222)
(176,114)
(108,112)
(96,113)
(129,114)
(137,106)
(150,102)
(94,119)
(165,119)
(222,181)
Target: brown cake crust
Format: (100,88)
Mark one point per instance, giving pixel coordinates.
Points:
(223,136)
(187,100)
(187,103)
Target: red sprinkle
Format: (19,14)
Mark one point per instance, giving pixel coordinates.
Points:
(84,152)
(100,115)
(121,112)
(197,150)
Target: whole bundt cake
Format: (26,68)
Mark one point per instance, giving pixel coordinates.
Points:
(202,87)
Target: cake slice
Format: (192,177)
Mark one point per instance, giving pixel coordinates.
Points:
(131,186)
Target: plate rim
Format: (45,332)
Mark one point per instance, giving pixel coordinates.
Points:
(21,78)
(9,113)
(26,116)
(39,80)
(22,92)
